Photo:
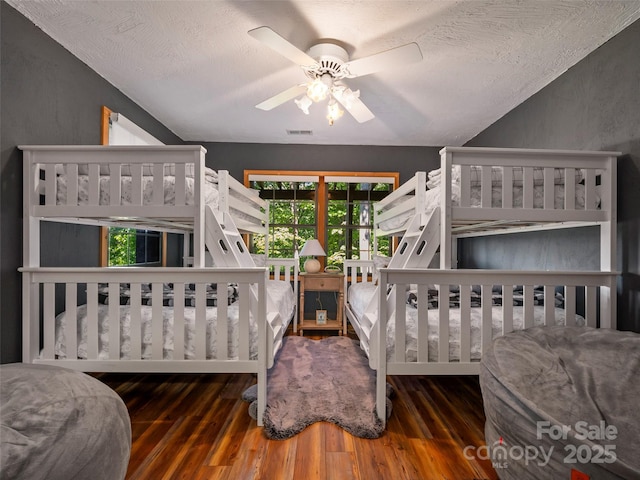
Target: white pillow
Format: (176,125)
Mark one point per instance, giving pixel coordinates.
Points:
(379,261)
(147,170)
(435,176)
(259,259)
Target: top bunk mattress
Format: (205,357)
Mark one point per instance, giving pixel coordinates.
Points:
(143,191)
(475,200)
(128,189)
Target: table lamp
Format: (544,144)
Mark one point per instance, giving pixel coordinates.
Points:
(312,248)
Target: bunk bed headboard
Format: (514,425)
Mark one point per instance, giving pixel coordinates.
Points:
(588,197)
(157,187)
(52,175)
(488,191)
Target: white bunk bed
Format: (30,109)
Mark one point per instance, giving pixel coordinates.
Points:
(155,187)
(408,330)
(171,322)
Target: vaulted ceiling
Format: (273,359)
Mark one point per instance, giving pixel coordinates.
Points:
(192,65)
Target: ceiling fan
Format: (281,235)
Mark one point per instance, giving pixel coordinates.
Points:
(327,65)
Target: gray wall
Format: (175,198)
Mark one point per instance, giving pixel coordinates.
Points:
(594,106)
(48,97)
(237,157)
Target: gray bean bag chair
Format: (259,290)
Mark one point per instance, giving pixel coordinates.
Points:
(559,399)
(60,424)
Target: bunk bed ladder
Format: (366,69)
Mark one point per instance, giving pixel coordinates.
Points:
(419,243)
(224,242)
(228,250)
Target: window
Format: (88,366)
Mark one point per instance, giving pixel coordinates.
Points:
(129,246)
(350,219)
(292,216)
(334,207)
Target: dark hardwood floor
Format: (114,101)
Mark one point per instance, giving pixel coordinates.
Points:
(196,426)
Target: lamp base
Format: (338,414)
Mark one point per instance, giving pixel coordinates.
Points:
(312,266)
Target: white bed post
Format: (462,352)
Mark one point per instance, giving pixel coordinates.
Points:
(421,195)
(198,220)
(262,349)
(186,242)
(380,348)
(445,209)
(608,244)
(266,234)
(30,258)
(223,191)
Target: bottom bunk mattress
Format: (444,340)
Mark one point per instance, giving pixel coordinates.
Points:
(559,400)
(361,294)
(281,297)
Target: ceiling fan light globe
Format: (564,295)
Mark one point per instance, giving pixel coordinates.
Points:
(334,111)
(303,104)
(318,90)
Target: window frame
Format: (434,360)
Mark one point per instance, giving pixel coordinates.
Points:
(321,192)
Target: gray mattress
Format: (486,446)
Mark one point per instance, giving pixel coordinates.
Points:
(562,398)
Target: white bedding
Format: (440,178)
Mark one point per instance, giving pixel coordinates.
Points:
(126,190)
(433,200)
(280,294)
(360,294)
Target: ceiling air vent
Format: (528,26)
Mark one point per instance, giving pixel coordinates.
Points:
(299,132)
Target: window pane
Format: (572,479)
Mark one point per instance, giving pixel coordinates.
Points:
(128,246)
(122,246)
(336,246)
(306,213)
(148,248)
(281,212)
(337,212)
(292,216)
(384,246)
(281,244)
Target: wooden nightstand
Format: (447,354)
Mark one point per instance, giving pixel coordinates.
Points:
(323,282)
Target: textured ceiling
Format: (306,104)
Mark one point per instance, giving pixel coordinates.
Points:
(192,65)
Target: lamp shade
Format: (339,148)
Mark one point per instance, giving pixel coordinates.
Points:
(312,247)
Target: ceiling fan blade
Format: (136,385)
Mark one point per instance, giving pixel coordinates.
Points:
(282,46)
(358,110)
(282,97)
(396,57)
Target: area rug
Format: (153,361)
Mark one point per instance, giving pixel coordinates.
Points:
(320,380)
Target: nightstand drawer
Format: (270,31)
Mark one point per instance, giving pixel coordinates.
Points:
(324,282)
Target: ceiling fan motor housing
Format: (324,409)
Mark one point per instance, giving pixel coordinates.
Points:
(331,60)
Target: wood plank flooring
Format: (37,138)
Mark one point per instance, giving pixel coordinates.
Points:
(195,426)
